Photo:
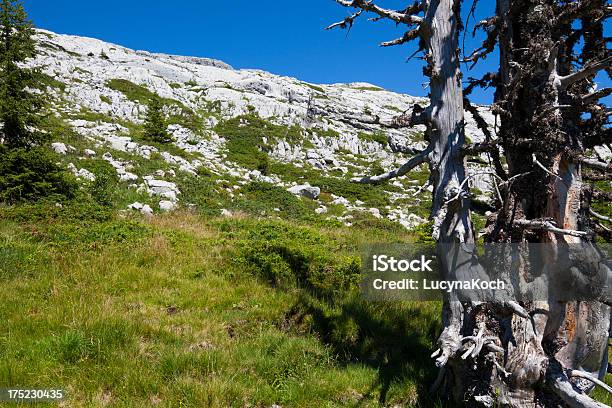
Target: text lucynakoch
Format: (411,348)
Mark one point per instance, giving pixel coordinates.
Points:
(442,285)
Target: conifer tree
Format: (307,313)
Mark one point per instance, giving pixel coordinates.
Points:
(19,107)
(155,123)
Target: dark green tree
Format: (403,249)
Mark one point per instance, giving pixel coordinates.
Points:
(155,122)
(32,174)
(19,107)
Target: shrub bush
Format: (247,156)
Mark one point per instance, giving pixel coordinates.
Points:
(245,141)
(261,197)
(104,187)
(31,174)
(287,255)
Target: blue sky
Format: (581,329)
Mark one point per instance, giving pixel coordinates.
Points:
(283,37)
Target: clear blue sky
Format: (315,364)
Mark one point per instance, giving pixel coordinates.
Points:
(283,37)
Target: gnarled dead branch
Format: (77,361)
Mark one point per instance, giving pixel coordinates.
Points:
(404,169)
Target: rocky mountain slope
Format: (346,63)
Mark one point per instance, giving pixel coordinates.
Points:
(234,127)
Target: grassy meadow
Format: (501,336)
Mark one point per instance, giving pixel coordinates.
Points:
(187,310)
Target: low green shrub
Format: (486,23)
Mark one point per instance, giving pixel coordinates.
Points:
(32,174)
(260,197)
(287,255)
(373,196)
(378,137)
(245,139)
(202,191)
(104,187)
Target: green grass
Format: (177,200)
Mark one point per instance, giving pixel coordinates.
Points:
(245,139)
(182,310)
(315,88)
(378,137)
(51,82)
(368,88)
(141,94)
(328,133)
(372,196)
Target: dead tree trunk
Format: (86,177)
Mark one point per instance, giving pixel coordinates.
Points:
(545,353)
(540,136)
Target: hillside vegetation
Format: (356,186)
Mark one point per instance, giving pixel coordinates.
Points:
(191,311)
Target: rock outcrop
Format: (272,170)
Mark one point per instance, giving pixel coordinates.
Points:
(103,93)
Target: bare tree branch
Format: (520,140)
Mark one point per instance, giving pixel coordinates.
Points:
(540,165)
(602,195)
(587,376)
(489,79)
(595,164)
(587,70)
(409,165)
(347,22)
(598,215)
(397,16)
(477,148)
(488,45)
(594,96)
(562,386)
(548,225)
(597,176)
(407,37)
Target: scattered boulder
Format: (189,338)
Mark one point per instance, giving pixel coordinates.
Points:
(226,213)
(59,148)
(121,169)
(321,210)
(375,212)
(161,188)
(167,206)
(89,153)
(144,209)
(305,190)
(127,176)
(82,173)
(411,221)
(340,200)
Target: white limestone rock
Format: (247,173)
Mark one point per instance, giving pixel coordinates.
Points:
(81,174)
(305,190)
(144,209)
(167,206)
(161,188)
(59,148)
(331,142)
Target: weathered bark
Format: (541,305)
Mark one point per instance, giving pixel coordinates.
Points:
(537,135)
(547,352)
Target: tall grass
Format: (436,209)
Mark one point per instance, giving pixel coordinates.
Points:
(178,311)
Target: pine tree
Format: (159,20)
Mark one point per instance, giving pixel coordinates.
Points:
(155,123)
(19,107)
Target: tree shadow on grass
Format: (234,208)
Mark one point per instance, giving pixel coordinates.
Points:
(395,338)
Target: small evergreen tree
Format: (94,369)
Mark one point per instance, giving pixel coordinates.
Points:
(19,107)
(155,123)
(28,171)
(29,174)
